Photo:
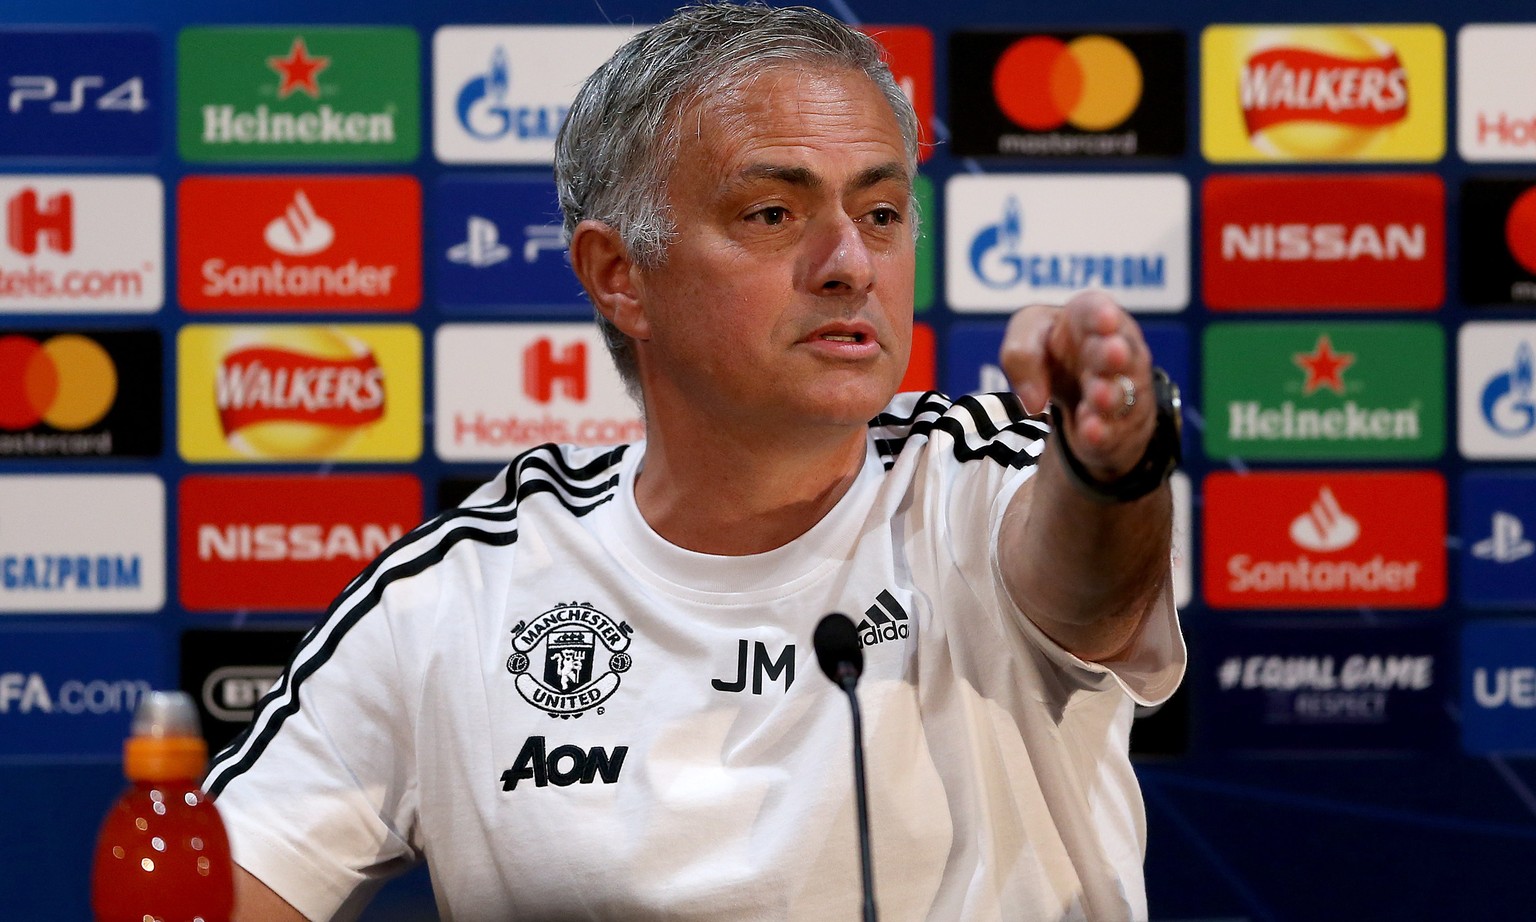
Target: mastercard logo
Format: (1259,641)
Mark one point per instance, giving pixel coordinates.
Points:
(1092,83)
(67,381)
(1520,230)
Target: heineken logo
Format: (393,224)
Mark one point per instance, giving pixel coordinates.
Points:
(1347,391)
(323,94)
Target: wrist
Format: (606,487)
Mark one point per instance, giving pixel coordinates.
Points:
(1162,456)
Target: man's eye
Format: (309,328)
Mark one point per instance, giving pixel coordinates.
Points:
(772,216)
(884,217)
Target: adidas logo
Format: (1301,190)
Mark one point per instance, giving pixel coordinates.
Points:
(885,620)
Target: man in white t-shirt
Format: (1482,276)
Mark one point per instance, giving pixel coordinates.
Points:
(589,692)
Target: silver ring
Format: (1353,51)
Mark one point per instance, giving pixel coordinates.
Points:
(1127,396)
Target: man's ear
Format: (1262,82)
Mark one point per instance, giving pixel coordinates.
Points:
(603,265)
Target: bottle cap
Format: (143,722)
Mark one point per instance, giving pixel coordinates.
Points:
(166,743)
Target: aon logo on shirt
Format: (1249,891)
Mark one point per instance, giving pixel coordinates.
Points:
(564,765)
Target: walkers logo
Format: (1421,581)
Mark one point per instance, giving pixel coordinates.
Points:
(500,93)
(503,388)
(909,52)
(1498,241)
(82,243)
(1329,688)
(1495,93)
(294,243)
(286,543)
(1324,241)
(82,543)
(1066,94)
(1340,391)
(501,246)
(80,93)
(883,621)
(228,672)
(1322,93)
(1012,239)
(1498,555)
(568,660)
(1496,390)
(67,694)
(1498,687)
(1327,539)
(80,394)
(320,94)
(299,393)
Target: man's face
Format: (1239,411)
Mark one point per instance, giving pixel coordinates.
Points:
(786,295)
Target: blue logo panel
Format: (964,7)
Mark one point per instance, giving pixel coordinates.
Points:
(1498,687)
(80,93)
(1321,688)
(970,359)
(1498,539)
(497,245)
(71,692)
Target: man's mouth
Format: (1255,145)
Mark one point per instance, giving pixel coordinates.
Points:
(844,337)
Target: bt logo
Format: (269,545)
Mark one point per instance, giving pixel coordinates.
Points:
(127,96)
(1508,405)
(995,252)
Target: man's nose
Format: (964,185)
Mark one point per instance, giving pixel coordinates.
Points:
(840,260)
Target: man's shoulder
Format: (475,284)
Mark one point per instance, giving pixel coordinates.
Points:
(576,476)
(975,428)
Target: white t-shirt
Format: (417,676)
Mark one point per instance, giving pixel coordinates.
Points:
(570,718)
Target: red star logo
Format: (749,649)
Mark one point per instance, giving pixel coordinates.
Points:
(298,70)
(1324,367)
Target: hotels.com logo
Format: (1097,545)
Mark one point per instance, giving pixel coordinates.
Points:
(1325,540)
(30,223)
(544,371)
(286,542)
(300,243)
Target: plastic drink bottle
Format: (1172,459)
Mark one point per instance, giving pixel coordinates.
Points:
(163,855)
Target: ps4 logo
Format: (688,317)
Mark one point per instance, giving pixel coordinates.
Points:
(482,246)
(1507,543)
(484,112)
(82,92)
(1507,401)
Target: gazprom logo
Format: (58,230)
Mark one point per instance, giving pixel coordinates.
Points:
(1508,404)
(484,112)
(995,252)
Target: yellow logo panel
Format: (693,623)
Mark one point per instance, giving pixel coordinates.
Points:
(1322,93)
(299,392)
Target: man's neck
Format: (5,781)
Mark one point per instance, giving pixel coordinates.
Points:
(733,497)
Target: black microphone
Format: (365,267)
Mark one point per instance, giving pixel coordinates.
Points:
(837,650)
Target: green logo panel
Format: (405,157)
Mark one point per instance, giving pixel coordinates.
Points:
(922,293)
(299,95)
(1346,391)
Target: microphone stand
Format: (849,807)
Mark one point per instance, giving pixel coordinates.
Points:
(847,678)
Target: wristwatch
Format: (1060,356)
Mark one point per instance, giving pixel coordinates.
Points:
(1164,450)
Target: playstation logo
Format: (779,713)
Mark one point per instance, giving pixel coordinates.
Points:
(1507,544)
(482,245)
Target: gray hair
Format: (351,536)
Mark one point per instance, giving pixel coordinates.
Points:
(617,145)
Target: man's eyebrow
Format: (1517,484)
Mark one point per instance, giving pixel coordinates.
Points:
(808,179)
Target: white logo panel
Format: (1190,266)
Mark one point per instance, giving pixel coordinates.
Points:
(504,388)
(93,243)
(82,543)
(500,93)
(1016,239)
(1496,93)
(1495,393)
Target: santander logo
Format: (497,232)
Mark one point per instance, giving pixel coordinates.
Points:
(1325,526)
(298,231)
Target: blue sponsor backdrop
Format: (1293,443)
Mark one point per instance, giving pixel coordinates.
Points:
(497,246)
(80,92)
(1444,834)
(1498,687)
(1498,547)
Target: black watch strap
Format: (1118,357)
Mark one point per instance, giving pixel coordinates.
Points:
(1164,450)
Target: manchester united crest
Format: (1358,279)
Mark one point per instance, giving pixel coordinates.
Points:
(568,660)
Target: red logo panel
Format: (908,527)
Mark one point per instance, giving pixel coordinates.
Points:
(909,52)
(286,542)
(299,243)
(1325,539)
(1283,242)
